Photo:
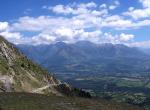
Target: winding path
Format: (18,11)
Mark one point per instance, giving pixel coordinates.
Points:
(44,87)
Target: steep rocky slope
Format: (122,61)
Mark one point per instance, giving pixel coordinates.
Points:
(19,74)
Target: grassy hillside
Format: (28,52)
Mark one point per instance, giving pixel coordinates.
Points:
(26,101)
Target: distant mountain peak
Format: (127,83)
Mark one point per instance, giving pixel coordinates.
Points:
(85,55)
(60,44)
(84,42)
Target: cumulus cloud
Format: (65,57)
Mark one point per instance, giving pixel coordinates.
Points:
(73,8)
(114,5)
(11,36)
(14,37)
(3,26)
(118,38)
(126,37)
(68,29)
(52,30)
(117,22)
(140,13)
(103,6)
(47,23)
(144,44)
(145,3)
(74,22)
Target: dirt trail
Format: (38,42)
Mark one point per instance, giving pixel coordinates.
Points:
(43,88)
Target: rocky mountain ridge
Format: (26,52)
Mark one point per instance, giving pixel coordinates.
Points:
(87,57)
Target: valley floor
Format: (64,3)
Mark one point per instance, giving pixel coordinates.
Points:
(121,88)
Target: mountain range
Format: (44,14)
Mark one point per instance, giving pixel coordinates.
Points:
(87,57)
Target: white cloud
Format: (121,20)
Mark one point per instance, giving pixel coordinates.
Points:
(11,35)
(64,32)
(145,3)
(101,16)
(117,22)
(118,38)
(142,23)
(14,37)
(59,35)
(48,23)
(103,6)
(144,44)
(62,9)
(126,37)
(3,26)
(43,38)
(34,24)
(114,5)
(73,8)
(94,36)
(57,29)
(117,3)
(74,22)
(139,13)
(87,5)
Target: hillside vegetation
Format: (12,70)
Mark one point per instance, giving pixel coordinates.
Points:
(24,101)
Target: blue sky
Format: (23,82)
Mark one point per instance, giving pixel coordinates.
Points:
(99,21)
